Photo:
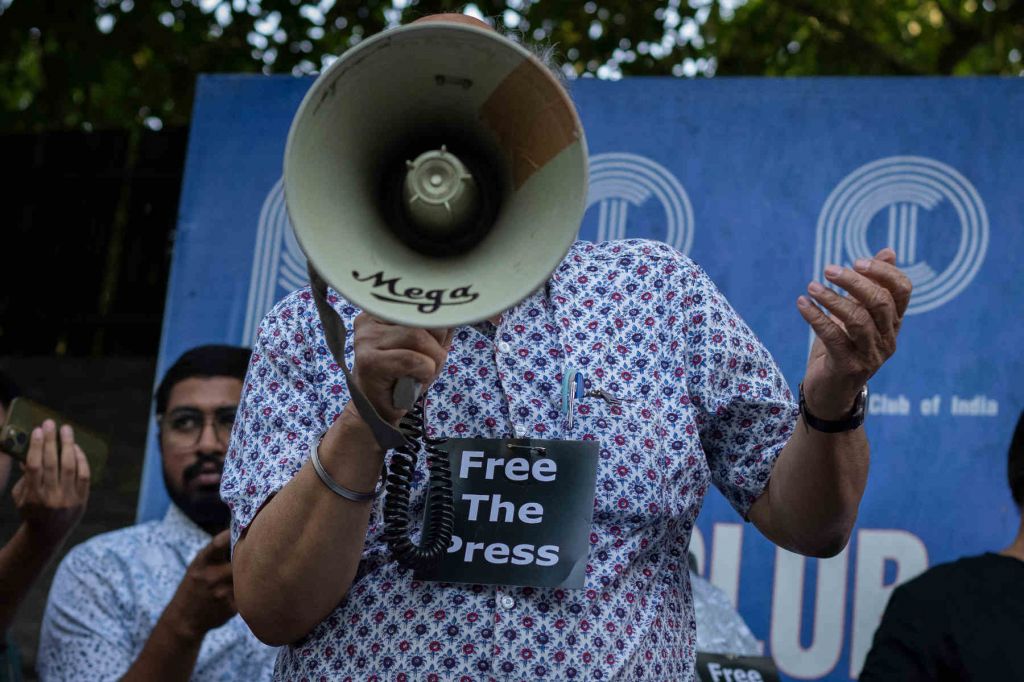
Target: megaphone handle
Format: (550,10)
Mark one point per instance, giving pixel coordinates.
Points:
(406,393)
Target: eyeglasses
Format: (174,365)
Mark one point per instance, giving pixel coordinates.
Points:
(184,427)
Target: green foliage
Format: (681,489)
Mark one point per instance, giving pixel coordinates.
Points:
(110,64)
(874,37)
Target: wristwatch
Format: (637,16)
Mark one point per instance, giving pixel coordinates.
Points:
(848,423)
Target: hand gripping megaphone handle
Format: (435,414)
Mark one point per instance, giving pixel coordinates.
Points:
(387,436)
(437,529)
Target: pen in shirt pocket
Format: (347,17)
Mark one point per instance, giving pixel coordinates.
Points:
(574,391)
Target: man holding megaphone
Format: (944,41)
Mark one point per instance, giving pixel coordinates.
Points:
(588,393)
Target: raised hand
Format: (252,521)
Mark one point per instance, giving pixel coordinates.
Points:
(857,336)
(51,495)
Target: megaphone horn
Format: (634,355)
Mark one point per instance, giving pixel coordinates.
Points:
(435,174)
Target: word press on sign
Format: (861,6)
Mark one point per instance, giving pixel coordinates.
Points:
(523,510)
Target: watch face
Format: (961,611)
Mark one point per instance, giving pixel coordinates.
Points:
(860,406)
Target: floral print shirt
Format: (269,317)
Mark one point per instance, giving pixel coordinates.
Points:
(698,400)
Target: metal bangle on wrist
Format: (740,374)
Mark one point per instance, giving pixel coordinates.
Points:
(852,421)
(334,486)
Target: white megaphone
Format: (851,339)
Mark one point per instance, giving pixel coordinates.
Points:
(435,175)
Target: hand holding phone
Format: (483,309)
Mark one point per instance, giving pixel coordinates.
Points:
(25,415)
(51,495)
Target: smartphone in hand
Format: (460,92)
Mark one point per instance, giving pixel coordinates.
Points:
(26,415)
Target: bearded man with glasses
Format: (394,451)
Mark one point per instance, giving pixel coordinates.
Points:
(156,601)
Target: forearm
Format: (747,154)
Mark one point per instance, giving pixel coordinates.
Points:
(22,559)
(811,502)
(169,655)
(816,486)
(300,554)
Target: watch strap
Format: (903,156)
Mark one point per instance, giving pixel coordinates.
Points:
(852,421)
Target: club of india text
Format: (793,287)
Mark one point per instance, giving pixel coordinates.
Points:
(899,405)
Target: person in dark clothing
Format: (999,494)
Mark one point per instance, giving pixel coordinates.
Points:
(962,620)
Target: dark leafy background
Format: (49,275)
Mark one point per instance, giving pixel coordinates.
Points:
(104,64)
(95,99)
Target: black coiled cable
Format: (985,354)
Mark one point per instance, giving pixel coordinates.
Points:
(440,522)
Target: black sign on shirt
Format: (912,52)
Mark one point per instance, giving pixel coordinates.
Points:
(523,510)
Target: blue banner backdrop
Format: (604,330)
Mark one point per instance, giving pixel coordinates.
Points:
(763,182)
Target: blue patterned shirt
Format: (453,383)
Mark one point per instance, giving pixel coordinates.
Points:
(702,402)
(110,591)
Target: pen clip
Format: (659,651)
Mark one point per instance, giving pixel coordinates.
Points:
(607,397)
